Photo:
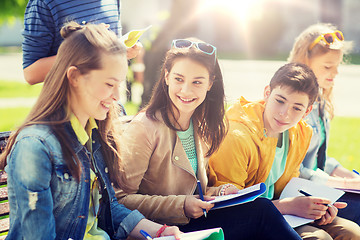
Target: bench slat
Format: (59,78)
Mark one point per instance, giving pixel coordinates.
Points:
(4,225)
(4,208)
(3,193)
(3,177)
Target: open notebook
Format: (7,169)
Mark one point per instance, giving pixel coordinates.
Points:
(208,234)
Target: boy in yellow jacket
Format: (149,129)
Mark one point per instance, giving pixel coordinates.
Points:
(267,141)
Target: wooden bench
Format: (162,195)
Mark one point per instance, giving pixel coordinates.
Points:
(4,204)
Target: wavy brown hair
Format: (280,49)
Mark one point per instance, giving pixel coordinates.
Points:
(84,46)
(300,53)
(209,117)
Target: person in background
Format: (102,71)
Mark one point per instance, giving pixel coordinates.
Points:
(166,147)
(43,20)
(64,159)
(321,47)
(267,142)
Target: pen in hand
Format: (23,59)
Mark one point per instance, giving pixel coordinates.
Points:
(304,193)
(146,235)
(201,195)
(308,195)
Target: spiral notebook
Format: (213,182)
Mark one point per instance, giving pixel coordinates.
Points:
(243,196)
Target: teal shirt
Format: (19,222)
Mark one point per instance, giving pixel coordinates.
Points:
(278,166)
(188,142)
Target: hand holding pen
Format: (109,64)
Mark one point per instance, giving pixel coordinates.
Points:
(146,235)
(194,207)
(330,212)
(309,195)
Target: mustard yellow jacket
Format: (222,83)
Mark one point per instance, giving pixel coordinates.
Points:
(246,156)
(157,173)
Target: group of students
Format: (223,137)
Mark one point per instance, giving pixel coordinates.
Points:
(75,173)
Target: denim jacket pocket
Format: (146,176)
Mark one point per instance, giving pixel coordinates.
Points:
(65,184)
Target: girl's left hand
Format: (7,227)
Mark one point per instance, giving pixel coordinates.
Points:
(228,189)
(231,190)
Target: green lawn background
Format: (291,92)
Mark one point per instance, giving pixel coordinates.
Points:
(344,143)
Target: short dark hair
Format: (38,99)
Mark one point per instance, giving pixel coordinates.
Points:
(299,77)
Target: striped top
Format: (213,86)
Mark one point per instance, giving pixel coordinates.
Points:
(44,18)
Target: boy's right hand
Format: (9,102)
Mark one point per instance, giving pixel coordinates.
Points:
(306,207)
(311,207)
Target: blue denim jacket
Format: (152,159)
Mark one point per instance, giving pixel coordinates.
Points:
(46,202)
(311,157)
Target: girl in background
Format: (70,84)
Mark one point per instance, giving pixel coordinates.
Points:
(321,47)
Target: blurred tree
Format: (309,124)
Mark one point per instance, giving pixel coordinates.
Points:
(11,9)
(180,24)
(331,11)
(266,31)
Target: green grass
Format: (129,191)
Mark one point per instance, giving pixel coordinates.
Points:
(11,89)
(13,49)
(13,117)
(131,108)
(345,142)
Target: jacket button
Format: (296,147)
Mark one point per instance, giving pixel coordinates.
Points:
(106,170)
(66,175)
(176,158)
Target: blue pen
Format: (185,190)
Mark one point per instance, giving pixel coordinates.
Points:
(201,195)
(356,172)
(146,235)
(309,195)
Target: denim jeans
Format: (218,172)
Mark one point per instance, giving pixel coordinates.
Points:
(259,219)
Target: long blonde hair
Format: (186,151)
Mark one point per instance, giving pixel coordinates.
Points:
(83,47)
(300,53)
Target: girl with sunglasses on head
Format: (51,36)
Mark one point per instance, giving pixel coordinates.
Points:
(321,47)
(167,145)
(63,160)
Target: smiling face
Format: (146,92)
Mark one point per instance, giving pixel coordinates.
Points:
(284,109)
(93,93)
(325,67)
(188,83)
